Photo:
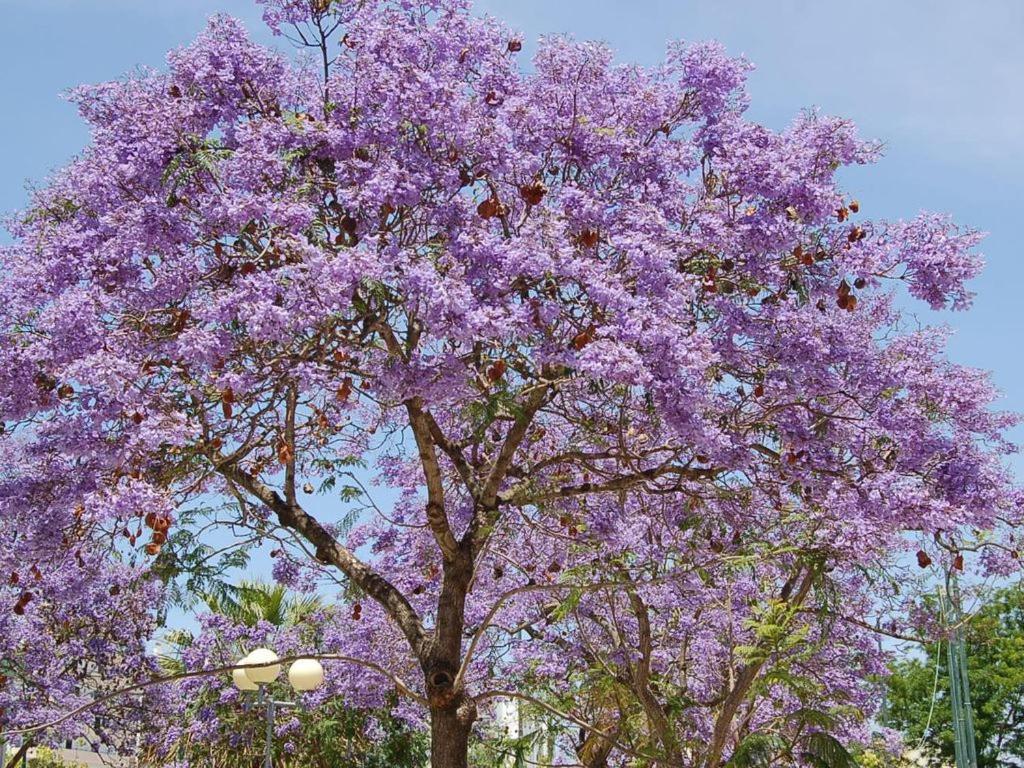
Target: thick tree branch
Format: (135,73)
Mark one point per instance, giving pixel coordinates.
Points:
(514,438)
(641,679)
(289,442)
(437,517)
(523,494)
(293,517)
(454,453)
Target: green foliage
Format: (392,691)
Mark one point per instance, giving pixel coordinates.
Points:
(196,156)
(49,758)
(516,752)
(334,735)
(757,750)
(252,602)
(995,659)
(824,751)
(817,749)
(193,570)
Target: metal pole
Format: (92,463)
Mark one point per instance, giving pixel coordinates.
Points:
(965,685)
(268,752)
(959,685)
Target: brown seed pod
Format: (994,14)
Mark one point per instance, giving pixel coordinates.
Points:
(345,389)
(922,559)
(581,339)
(285,453)
(588,238)
(496,370)
(533,193)
(488,209)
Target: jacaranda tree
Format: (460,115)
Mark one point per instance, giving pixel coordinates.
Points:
(555,307)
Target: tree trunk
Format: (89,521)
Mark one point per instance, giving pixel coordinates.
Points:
(449,735)
(452,712)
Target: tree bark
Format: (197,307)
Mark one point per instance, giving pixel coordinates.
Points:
(452,712)
(450,728)
(747,675)
(19,754)
(594,750)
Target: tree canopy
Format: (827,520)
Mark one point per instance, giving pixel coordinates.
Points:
(614,348)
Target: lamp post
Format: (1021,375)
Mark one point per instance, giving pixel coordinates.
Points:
(303,675)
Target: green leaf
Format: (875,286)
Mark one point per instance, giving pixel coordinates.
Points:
(757,750)
(824,751)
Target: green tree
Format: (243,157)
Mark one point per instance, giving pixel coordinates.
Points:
(48,758)
(995,652)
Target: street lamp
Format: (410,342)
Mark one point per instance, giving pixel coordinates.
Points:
(303,675)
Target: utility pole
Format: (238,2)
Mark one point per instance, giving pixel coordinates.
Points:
(959,685)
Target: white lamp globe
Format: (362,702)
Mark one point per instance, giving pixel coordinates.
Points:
(240,679)
(262,674)
(305,674)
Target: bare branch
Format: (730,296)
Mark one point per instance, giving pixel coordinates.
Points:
(522,495)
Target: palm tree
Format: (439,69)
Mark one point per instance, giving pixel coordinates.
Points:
(247,604)
(254,601)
